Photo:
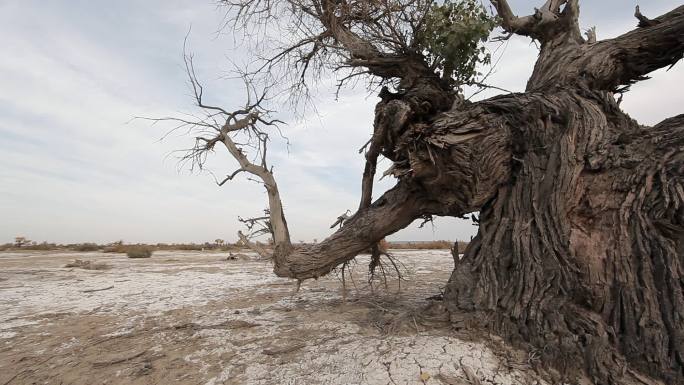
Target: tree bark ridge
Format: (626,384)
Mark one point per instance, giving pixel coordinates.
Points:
(572,255)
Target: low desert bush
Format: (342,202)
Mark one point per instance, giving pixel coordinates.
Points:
(139,252)
(115,249)
(44,246)
(430,245)
(86,247)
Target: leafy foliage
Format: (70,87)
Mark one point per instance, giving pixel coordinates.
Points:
(451,38)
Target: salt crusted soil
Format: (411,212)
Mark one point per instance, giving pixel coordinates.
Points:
(197,318)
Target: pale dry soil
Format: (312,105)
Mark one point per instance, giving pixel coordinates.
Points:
(197,318)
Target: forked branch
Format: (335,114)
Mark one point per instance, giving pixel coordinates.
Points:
(626,59)
(546,23)
(239,131)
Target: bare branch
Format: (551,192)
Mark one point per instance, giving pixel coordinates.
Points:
(238,130)
(231,176)
(644,22)
(591,35)
(546,23)
(256,247)
(630,57)
(258,226)
(512,23)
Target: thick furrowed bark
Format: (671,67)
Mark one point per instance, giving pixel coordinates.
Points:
(581,254)
(608,64)
(547,22)
(628,58)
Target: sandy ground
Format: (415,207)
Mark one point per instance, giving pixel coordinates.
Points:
(197,318)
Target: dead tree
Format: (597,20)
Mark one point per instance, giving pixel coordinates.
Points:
(580,249)
(21,241)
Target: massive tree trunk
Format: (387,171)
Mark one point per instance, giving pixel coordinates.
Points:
(580,250)
(581,253)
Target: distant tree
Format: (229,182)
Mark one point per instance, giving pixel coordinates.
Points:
(580,248)
(21,241)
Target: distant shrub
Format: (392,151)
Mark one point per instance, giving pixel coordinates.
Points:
(430,245)
(42,246)
(115,247)
(86,247)
(21,241)
(229,247)
(139,252)
(188,247)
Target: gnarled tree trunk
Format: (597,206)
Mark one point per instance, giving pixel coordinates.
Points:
(580,250)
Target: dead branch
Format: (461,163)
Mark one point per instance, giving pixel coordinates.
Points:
(644,22)
(341,219)
(256,247)
(512,23)
(94,290)
(546,23)
(239,131)
(351,38)
(258,226)
(230,177)
(627,59)
(591,35)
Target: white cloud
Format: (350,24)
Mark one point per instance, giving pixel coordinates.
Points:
(73,168)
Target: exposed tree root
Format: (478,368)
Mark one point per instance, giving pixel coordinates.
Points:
(376,262)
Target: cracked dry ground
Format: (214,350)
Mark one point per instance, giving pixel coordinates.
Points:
(196,318)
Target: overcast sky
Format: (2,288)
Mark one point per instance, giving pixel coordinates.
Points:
(75,168)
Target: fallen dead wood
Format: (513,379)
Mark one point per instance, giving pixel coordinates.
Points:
(472,378)
(94,290)
(448,380)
